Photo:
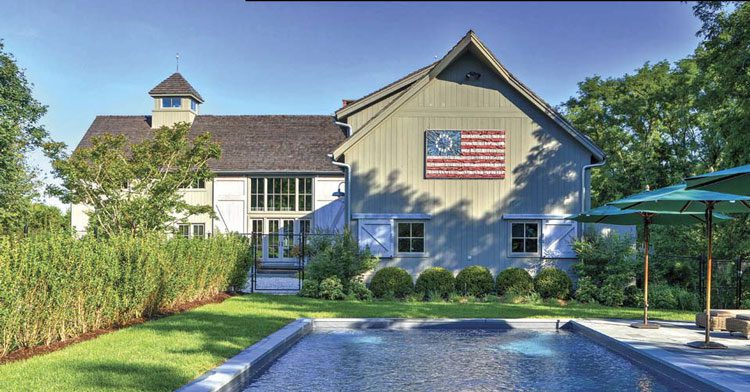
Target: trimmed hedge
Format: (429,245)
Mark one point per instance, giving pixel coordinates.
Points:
(391,282)
(515,281)
(435,281)
(553,283)
(475,280)
(55,287)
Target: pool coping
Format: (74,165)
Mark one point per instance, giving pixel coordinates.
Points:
(234,374)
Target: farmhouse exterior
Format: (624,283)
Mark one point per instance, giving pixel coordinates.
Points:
(456,164)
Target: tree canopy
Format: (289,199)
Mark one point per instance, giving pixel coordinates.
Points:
(20,133)
(134,188)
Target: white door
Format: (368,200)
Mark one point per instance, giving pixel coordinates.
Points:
(230,201)
(230,216)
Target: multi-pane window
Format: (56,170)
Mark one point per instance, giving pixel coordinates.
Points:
(524,237)
(304,226)
(281,194)
(171,102)
(197,184)
(410,237)
(191,230)
(199,230)
(256,232)
(193,105)
(257,194)
(183,230)
(304,194)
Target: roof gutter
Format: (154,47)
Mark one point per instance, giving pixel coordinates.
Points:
(583,181)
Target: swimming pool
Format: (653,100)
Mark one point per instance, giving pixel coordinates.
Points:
(451,359)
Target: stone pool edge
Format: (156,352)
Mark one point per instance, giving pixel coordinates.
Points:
(234,374)
(686,379)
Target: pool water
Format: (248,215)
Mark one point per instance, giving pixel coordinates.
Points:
(451,360)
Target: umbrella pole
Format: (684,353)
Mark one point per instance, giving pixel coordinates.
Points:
(646,237)
(707,343)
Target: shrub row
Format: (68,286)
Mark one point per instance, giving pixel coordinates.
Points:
(436,282)
(55,287)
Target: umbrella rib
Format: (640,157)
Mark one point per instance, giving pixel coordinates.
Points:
(685,207)
(696,218)
(745,203)
(720,179)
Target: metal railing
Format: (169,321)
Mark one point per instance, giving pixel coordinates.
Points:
(280,253)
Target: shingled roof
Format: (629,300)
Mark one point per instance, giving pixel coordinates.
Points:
(250,144)
(135,128)
(175,84)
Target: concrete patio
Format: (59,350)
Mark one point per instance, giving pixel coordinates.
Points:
(726,369)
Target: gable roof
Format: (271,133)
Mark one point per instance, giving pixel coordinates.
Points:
(420,79)
(249,144)
(175,84)
(356,104)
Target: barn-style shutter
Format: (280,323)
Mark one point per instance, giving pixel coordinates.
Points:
(376,234)
(557,239)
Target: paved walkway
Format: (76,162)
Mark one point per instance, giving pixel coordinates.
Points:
(728,368)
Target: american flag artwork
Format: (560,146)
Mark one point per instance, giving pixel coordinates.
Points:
(465,154)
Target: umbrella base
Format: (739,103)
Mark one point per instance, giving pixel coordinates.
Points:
(706,346)
(644,326)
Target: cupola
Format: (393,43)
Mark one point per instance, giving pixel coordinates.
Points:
(175,100)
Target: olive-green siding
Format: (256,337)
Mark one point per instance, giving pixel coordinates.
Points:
(543,165)
(360,118)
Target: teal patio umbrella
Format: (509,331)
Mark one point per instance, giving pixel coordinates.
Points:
(677,198)
(615,216)
(735,180)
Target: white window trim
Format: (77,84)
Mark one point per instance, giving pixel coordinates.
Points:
(539,239)
(394,228)
(294,196)
(190,226)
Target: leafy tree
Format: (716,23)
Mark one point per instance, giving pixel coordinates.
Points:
(20,133)
(134,188)
(646,123)
(48,218)
(724,59)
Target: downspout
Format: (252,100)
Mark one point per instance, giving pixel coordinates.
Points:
(348,179)
(583,181)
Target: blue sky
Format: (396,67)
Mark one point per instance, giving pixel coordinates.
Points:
(100,57)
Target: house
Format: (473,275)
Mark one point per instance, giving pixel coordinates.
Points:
(273,176)
(459,163)
(456,164)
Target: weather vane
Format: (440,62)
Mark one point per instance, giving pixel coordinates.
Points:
(177,56)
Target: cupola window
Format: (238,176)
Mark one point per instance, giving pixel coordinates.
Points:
(171,102)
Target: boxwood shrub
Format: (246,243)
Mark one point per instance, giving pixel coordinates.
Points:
(516,281)
(436,282)
(391,282)
(553,283)
(475,280)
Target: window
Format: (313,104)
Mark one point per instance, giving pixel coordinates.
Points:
(256,239)
(197,184)
(304,194)
(171,102)
(257,194)
(524,237)
(193,105)
(410,237)
(304,226)
(191,230)
(281,194)
(183,230)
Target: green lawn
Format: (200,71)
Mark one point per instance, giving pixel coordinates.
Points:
(163,354)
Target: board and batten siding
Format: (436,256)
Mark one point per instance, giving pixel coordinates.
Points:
(543,165)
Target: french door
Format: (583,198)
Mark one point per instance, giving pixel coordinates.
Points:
(280,236)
